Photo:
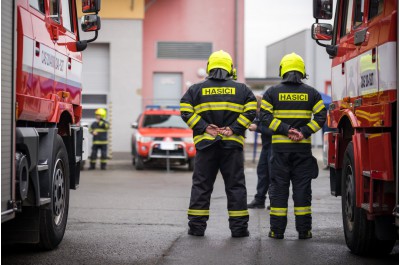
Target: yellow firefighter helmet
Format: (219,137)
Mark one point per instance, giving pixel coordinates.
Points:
(101,112)
(220,59)
(292,62)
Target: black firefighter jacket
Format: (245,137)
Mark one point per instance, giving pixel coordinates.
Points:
(222,102)
(100,127)
(292,105)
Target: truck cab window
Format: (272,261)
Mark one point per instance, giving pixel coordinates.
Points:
(375,8)
(66,15)
(349,16)
(37,4)
(54,10)
(358,12)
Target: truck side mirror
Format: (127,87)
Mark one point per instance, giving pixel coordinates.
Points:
(134,125)
(322,9)
(90,23)
(321,31)
(90,6)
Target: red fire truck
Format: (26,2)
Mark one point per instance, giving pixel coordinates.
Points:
(42,144)
(363,148)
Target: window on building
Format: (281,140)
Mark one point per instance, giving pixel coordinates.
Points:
(54,10)
(184,50)
(66,15)
(358,12)
(375,8)
(37,4)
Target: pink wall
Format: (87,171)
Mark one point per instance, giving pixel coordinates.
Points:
(193,21)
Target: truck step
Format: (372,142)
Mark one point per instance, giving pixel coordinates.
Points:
(44,201)
(375,206)
(42,130)
(42,167)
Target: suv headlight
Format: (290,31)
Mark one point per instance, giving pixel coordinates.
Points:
(188,139)
(143,139)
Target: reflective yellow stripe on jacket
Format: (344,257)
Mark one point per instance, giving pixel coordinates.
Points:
(274,124)
(243,121)
(206,136)
(296,114)
(266,106)
(279,139)
(218,106)
(314,126)
(193,120)
(186,107)
(100,142)
(250,106)
(318,106)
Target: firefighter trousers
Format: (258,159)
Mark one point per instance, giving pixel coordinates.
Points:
(231,164)
(103,158)
(298,168)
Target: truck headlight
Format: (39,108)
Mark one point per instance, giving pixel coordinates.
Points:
(143,139)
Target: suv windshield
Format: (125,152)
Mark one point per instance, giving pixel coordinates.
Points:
(164,121)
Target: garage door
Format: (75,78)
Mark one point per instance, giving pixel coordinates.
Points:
(95,78)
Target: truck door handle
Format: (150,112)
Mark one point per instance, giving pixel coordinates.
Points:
(342,68)
(54,32)
(37,48)
(69,63)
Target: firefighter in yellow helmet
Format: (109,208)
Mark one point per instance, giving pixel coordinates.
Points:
(293,111)
(99,129)
(219,110)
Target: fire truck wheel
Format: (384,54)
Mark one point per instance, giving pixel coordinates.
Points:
(191,164)
(53,219)
(139,164)
(358,230)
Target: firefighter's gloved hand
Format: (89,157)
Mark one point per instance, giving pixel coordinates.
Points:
(226,131)
(295,135)
(212,130)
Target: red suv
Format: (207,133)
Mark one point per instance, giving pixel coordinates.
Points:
(161,133)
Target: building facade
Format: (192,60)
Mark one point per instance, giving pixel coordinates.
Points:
(178,38)
(150,52)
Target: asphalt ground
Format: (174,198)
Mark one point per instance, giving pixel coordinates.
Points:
(124,216)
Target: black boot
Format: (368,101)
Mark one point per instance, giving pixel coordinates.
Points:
(103,166)
(92,166)
(195,233)
(274,235)
(305,234)
(256,205)
(244,233)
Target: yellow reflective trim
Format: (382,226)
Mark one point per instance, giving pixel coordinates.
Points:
(243,121)
(103,160)
(238,213)
(318,106)
(193,120)
(250,106)
(99,130)
(218,106)
(205,136)
(278,211)
(266,106)
(100,142)
(198,212)
(313,126)
(297,114)
(274,124)
(283,139)
(236,138)
(186,107)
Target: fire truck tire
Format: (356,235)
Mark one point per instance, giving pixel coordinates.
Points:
(53,219)
(358,230)
(191,164)
(139,164)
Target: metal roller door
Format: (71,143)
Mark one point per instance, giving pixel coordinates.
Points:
(7,103)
